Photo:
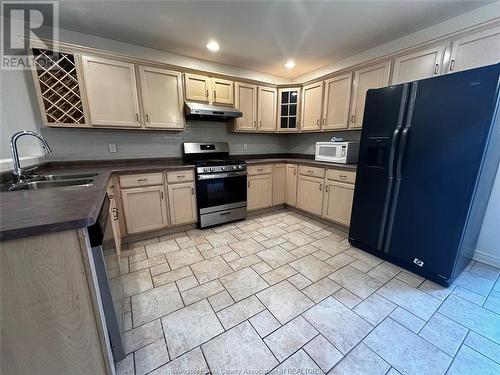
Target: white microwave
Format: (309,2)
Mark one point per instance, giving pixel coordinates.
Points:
(337,152)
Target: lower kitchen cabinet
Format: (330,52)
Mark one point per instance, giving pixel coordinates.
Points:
(310,194)
(291,185)
(259,191)
(182,203)
(144,208)
(279,184)
(113,216)
(337,202)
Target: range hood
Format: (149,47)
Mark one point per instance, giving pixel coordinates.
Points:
(200,111)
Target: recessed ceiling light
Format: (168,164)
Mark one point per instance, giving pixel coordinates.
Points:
(290,64)
(213,46)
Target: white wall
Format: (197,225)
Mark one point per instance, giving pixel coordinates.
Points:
(488,244)
(19,111)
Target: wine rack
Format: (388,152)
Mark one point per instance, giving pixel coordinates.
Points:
(59,90)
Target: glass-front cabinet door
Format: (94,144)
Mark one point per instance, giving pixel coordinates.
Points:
(288,115)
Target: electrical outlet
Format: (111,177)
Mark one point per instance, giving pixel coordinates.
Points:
(245,146)
(112,147)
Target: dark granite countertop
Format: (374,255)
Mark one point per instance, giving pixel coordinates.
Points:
(34,212)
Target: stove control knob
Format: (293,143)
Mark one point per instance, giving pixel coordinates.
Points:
(212,169)
(205,169)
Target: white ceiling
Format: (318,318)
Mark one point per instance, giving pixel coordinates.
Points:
(259,35)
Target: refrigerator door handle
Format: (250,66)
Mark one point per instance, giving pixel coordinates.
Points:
(402,146)
(392,153)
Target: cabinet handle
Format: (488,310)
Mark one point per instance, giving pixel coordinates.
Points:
(192,190)
(161,194)
(142,180)
(259,170)
(136,117)
(207,94)
(324,121)
(115,213)
(147,118)
(181,177)
(215,95)
(317,122)
(436,69)
(342,176)
(327,188)
(260,124)
(353,117)
(248,183)
(452,65)
(295,172)
(320,187)
(309,171)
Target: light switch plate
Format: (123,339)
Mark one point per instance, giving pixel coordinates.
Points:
(112,147)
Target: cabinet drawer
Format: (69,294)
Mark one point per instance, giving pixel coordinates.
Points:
(343,176)
(180,176)
(260,169)
(311,171)
(134,180)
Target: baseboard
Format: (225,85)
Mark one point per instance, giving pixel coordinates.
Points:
(487,258)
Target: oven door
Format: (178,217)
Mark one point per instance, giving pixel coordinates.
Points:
(221,191)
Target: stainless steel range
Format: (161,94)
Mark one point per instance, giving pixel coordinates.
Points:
(221,183)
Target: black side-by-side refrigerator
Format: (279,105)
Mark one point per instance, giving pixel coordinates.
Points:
(429,154)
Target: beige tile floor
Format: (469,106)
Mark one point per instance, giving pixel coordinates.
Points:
(282,293)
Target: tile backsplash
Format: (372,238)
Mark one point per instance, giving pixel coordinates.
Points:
(305,143)
(89,144)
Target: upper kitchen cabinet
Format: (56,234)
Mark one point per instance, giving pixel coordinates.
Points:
(266,109)
(223,91)
(246,102)
(371,77)
(288,109)
(56,76)
(162,98)
(418,65)
(209,89)
(312,96)
(336,102)
(111,92)
(198,87)
(475,50)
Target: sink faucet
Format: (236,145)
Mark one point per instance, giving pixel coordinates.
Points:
(18,171)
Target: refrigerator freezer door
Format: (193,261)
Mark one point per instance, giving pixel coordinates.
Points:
(446,134)
(383,120)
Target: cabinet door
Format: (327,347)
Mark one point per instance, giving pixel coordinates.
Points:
(279,184)
(472,51)
(372,77)
(113,216)
(291,185)
(288,109)
(336,103)
(182,203)
(111,92)
(198,88)
(259,192)
(418,65)
(246,102)
(310,194)
(337,204)
(266,109)
(144,208)
(223,91)
(162,98)
(312,96)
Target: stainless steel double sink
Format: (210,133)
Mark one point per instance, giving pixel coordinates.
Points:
(36,182)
